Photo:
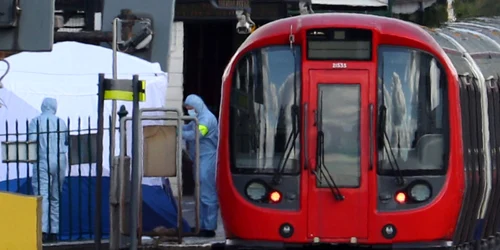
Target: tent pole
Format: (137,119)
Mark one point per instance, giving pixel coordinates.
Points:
(98,192)
(136,178)
(114,242)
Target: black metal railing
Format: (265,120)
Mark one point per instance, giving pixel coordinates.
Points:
(44,157)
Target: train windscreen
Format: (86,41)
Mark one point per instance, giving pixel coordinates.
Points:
(339,44)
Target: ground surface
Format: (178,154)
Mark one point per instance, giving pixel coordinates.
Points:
(189,243)
(188,212)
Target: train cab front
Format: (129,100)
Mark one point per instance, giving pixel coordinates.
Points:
(260,176)
(343,137)
(384,169)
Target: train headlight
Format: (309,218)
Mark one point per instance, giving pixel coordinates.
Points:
(420,192)
(256,191)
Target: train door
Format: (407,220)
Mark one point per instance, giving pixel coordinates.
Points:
(338,193)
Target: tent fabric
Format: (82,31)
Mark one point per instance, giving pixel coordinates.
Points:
(69,73)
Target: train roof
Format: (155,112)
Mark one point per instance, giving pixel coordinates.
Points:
(384,25)
(472,45)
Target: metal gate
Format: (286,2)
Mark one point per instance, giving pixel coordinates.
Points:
(156,151)
(160,148)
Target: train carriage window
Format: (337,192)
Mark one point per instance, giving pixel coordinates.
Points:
(261,112)
(413,89)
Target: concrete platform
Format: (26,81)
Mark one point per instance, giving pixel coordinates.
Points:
(189,243)
(105,246)
(188,212)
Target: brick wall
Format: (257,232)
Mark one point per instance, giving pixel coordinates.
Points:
(175,94)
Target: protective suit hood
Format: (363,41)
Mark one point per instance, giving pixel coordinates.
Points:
(208,159)
(49,105)
(51,134)
(196,102)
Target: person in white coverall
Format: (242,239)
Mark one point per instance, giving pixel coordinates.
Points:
(51,134)
(209,135)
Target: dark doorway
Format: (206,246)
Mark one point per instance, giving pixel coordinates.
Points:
(208,47)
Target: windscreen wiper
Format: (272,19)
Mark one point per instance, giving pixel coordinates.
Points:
(320,155)
(381,138)
(292,137)
(289,146)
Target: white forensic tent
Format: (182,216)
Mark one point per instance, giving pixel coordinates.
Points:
(69,73)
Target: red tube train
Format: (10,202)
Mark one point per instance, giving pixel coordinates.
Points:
(362,130)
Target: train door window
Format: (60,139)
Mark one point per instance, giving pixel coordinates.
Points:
(261,112)
(497,119)
(340,122)
(478,125)
(464,106)
(413,90)
(466,120)
(490,83)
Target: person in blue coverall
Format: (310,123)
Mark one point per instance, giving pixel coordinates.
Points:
(209,134)
(49,171)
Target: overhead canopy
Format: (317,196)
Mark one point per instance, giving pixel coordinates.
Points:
(410,6)
(398,6)
(371,3)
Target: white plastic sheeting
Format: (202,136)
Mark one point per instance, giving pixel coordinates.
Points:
(69,73)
